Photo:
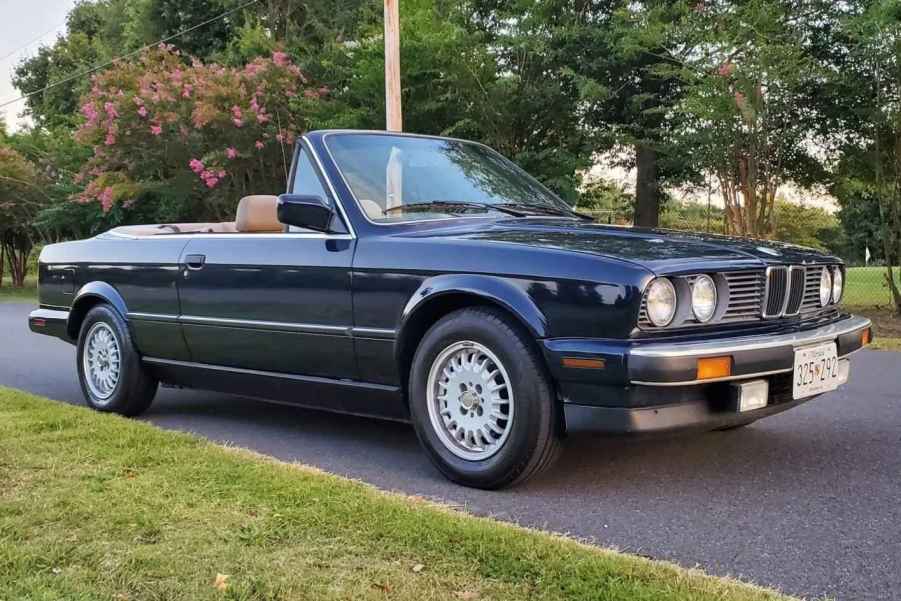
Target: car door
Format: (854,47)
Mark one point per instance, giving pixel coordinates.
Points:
(273,302)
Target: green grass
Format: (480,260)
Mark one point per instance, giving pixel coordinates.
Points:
(94,507)
(28,294)
(866,286)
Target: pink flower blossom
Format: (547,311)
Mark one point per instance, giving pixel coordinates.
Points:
(221,174)
(196,166)
(106,199)
(89,111)
(231,153)
(186,90)
(110,138)
(237,122)
(259,145)
(280,59)
(211,182)
(142,110)
(110,109)
(236,112)
(156,129)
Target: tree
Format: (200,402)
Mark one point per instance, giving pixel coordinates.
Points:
(744,116)
(863,97)
(21,198)
(185,141)
(623,55)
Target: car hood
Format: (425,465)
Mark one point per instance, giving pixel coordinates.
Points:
(661,251)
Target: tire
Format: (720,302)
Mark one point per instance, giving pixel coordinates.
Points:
(519,437)
(130,392)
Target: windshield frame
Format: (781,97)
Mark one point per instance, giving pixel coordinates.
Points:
(517,169)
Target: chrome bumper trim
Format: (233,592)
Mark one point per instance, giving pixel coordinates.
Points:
(825,333)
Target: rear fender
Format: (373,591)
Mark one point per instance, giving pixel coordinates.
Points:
(88,296)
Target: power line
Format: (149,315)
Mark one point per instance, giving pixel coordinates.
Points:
(128,55)
(24,46)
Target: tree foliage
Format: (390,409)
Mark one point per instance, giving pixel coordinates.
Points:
(21,198)
(207,134)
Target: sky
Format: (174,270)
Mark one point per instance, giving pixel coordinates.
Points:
(24,26)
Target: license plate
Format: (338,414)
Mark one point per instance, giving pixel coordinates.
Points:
(817,370)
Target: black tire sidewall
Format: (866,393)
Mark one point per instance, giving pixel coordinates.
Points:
(131,374)
(531,391)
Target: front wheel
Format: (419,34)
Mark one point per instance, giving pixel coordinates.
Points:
(109,367)
(482,404)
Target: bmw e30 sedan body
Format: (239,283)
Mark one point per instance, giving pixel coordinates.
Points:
(430,280)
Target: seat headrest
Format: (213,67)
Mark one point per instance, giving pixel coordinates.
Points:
(258,213)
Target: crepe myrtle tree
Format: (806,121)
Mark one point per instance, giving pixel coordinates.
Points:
(743,117)
(169,125)
(21,199)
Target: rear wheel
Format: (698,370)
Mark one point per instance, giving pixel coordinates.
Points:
(481,402)
(109,368)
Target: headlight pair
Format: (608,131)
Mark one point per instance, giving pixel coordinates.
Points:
(832,285)
(662,300)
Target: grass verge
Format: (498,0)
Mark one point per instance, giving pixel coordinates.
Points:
(98,507)
(28,294)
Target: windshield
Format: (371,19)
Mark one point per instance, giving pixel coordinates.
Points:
(401,178)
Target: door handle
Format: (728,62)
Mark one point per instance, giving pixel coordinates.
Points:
(195,261)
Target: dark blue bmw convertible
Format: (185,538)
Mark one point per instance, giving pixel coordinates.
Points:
(431,280)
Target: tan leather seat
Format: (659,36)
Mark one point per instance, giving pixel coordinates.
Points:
(258,214)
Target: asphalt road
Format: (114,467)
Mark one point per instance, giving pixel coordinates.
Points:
(806,502)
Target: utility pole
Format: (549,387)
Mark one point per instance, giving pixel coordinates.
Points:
(393,115)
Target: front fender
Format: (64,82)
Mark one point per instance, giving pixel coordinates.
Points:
(494,289)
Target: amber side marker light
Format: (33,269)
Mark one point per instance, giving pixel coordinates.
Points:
(710,368)
(865,337)
(582,363)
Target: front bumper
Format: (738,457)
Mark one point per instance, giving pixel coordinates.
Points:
(652,386)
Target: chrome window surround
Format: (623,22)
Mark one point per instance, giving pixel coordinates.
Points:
(408,135)
(743,296)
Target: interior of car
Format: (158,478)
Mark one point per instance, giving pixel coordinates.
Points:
(256,214)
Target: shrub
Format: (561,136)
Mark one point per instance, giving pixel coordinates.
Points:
(189,136)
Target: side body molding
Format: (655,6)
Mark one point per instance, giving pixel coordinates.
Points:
(498,290)
(86,297)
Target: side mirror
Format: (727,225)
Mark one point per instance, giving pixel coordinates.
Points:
(309,212)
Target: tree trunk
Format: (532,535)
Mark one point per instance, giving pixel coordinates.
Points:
(647,199)
(2,263)
(17,258)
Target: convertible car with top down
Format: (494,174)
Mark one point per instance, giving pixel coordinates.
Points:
(431,280)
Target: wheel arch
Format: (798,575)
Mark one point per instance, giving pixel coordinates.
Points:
(443,295)
(89,296)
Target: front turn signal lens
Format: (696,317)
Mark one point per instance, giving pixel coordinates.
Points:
(865,337)
(711,368)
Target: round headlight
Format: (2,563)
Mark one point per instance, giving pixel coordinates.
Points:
(838,285)
(825,287)
(661,303)
(703,298)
